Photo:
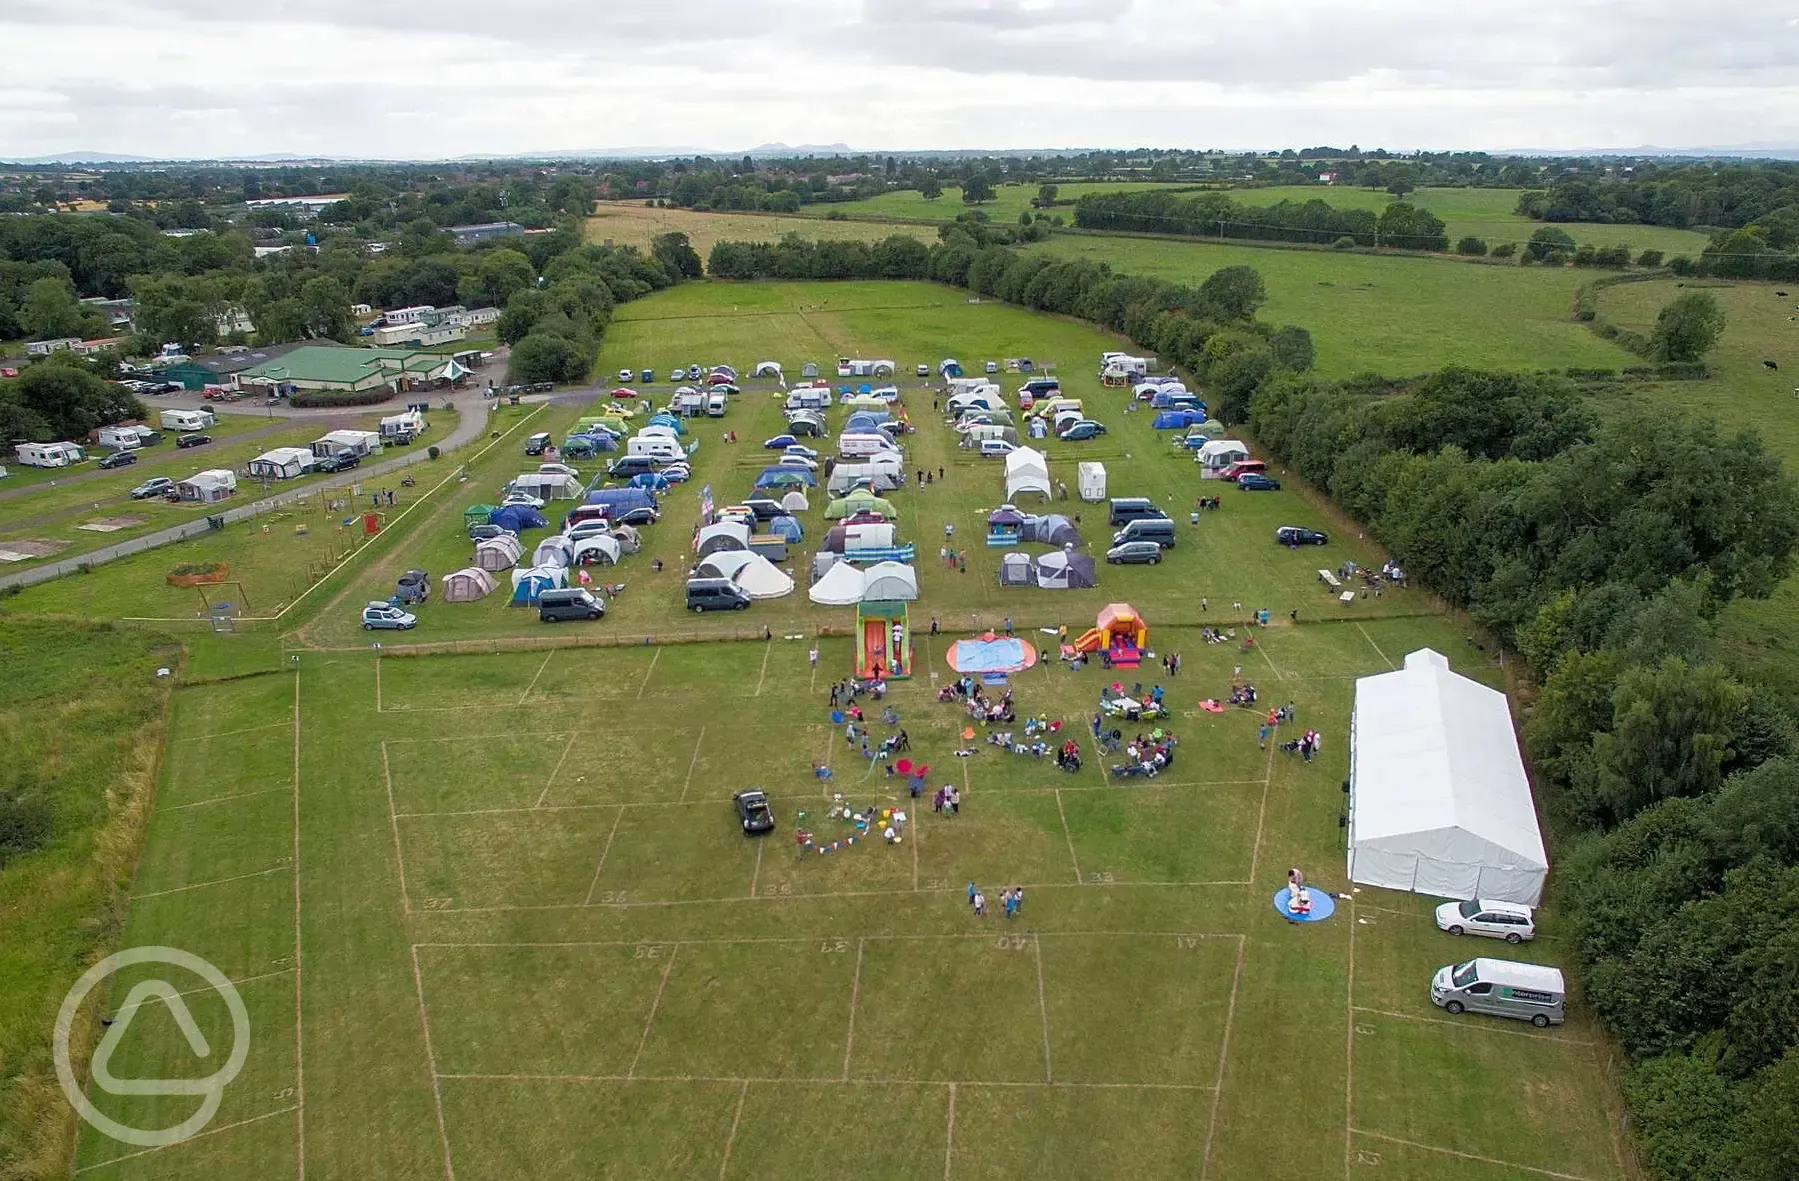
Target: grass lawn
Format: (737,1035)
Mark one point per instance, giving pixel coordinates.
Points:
(27,483)
(1008,201)
(58,514)
(629,223)
(492,917)
(1393,315)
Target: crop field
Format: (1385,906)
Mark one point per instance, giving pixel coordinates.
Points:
(491,915)
(1393,315)
(629,223)
(1008,201)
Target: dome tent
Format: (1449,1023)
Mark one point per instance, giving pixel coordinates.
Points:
(1017,569)
(598,548)
(723,564)
(528,584)
(1065,571)
(795,502)
(724,535)
(1053,529)
(890,582)
(841,586)
(859,501)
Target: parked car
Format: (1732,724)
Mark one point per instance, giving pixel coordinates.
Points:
(779,442)
(192,440)
(1299,535)
(1243,467)
(765,510)
(797,461)
(582,530)
(626,466)
(754,811)
(343,461)
(573,602)
(557,469)
(924,371)
(522,498)
(154,486)
(386,616)
(715,594)
(625,375)
(1133,552)
(992,366)
(1086,428)
(643,514)
(800,451)
(1257,482)
(117,459)
(996,448)
(676,473)
(536,443)
(1509,921)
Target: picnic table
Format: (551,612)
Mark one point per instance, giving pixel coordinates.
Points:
(1330,580)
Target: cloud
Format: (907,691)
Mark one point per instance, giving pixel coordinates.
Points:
(390,78)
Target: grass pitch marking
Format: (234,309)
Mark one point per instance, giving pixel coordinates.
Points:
(1486,1160)
(231,734)
(691,765)
(650,1021)
(437,1091)
(299,1017)
(607,848)
(393,821)
(557,770)
(1224,1050)
(949,1137)
(1349,1052)
(724,1164)
(768,649)
(1069,837)
(260,873)
(523,697)
(756,874)
(1255,850)
(1481,1026)
(1374,645)
(654,657)
(211,1131)
(1042,1006)
(849,1038)
(241,795)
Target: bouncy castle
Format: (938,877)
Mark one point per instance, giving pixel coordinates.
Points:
(1120,631)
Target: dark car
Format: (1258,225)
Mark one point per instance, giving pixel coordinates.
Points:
(626,466)
(343,461)
(765,510)
(118,459)
(1295,535)
(485,532)
(643,514)
(754,811)
(193,440)
(1132,552)
(565,603)
(1257,482)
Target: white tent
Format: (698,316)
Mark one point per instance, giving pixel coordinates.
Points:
(841,586)
(723,564)
(1026,471)
(794,502)
(724,535)
(1438,800)
(600,547)
(209,486)
(767,369)
(281,463)
(890,582)
(762,578)
(548,485)
(499,553)
(553,551)
(1221,453)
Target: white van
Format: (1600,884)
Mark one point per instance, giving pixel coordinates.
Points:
(861,445)
(1504,988)
(716,405)
(654,447)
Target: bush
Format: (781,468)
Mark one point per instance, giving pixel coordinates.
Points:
(1505,250)
(1344,243)
(1471,245)
(1681,265)
(432,451)
(311,399)
(26,820)
(1650,258)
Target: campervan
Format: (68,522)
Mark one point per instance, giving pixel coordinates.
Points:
(188,420)
(653,447)
(857,446)
(717,405)
(48,454)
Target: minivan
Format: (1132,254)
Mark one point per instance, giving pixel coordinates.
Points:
(1504,988)
(715,594)
(1126,509)
(536,444)
(626,466)
(1157,529)
(716,405)
(574,602)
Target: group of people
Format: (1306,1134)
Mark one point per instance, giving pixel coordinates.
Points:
(1306,745)
(947,800)
(844,694)
(1068,756)
(1207,504)
(1172,663)
(1217,635)
(1147,755)
(1012,900)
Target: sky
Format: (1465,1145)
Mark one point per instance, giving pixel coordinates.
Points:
(399,79)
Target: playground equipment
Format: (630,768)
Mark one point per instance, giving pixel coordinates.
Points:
(883,637)
(1121,631)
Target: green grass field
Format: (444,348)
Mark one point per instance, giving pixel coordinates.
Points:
(1394,315)
(627,223)
(491,915)
(1008,202)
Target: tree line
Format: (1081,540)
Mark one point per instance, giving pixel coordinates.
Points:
(1214,214)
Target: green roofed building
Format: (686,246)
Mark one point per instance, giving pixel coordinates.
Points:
(340,367)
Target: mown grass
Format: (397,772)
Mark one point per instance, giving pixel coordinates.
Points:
(628,223)
(1009,200)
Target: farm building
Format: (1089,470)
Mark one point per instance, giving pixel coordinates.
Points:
(1438,799)
(209,486)
(282,463)
(343,368)
(485,231)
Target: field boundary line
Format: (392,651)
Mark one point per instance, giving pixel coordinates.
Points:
(729,941)
(1069,837)
(557,769)
(1481,1026)
(299,1011)
(1255,850)
(604,850)
(691,764)
(1042,1007)
(810,1081)
(1224,1052)
(768,649)
(477,737)
(437,1092)
(949,1136)
(649,1022)
(523,697)
(393,821)
(849,1037)
(1374,645)
(1278,674)
(501,907)
(238,983)
(756,874)
(239,877)
(724,1164)
(230,734)
(1349,1052)
(1485,1160)
(255,1119)
(242,795)
(654,657)
(379,707)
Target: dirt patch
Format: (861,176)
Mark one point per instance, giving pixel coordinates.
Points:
(110,524)
(26,551)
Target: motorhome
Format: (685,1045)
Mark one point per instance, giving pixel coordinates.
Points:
(188,420)
(857,446)
(48,454)
(403,428)
(653,447)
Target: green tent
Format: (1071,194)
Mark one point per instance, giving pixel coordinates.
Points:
(476,514)
(860,501)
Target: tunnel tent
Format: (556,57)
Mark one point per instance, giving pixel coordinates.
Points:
(857,502)
(890,582)
(467,585)
(1052,529)
(498,553)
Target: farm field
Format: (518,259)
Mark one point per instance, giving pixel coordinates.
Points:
(1008,201)
(1393,315)
(629,223)
(479,935)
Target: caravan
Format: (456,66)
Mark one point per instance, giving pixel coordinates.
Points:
(402,428)
(660,447)
(860,446)
(188,420)
(48,454)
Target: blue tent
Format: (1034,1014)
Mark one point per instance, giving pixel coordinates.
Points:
(517,518)
(1175,400)
(623,500)
(786,528)
(667,420)
(865,421)
(783,477)
(591,444)
(864,388)
(1178,420)
(532,583)
(649,480)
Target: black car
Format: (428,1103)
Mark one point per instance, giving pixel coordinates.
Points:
(193,440)
(765,510)
(343,461)
(1294,535)
(485,532)
(754,811)
(641,515)
(118,459)
(626,466)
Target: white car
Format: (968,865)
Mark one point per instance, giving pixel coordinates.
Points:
(1496,920)
(993,366)
(625,375)
(557,469)
(522,498)
(797,461)
(585,529)
(799,451)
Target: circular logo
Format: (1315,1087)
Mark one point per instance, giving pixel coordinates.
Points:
(211,1089)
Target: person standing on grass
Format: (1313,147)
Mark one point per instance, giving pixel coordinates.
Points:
(933,625)
(980,905)
(955,801)
(1262,737)
(1009,905)
(1008,625)
(971,893)
(905,741)
(1017,899)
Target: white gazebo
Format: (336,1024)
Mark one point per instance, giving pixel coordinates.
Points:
(1438,800)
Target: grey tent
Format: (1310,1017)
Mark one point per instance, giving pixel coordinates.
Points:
(1017,569)
(1051,529)
(1065,571)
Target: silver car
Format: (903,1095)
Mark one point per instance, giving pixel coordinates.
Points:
(1496,920)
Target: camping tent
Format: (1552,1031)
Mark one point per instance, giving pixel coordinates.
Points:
(795,502)
(548,485)
(517,518)
(598,548)
(528,584)
(1438,800)
(859,501)
(650,482)
(1026,471)
(786,477)
(1065,571)
(1005,517)
(786,528)
(282,463)
(841,586)
(724,535)
(767,369)
(467,585)
(499,553)
(1221,453)
(628,539)
(890,582)
(762,579)
(553,551)
(1054,529)
(1175,420)
(1016,569)
(841,539)
(723,564)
